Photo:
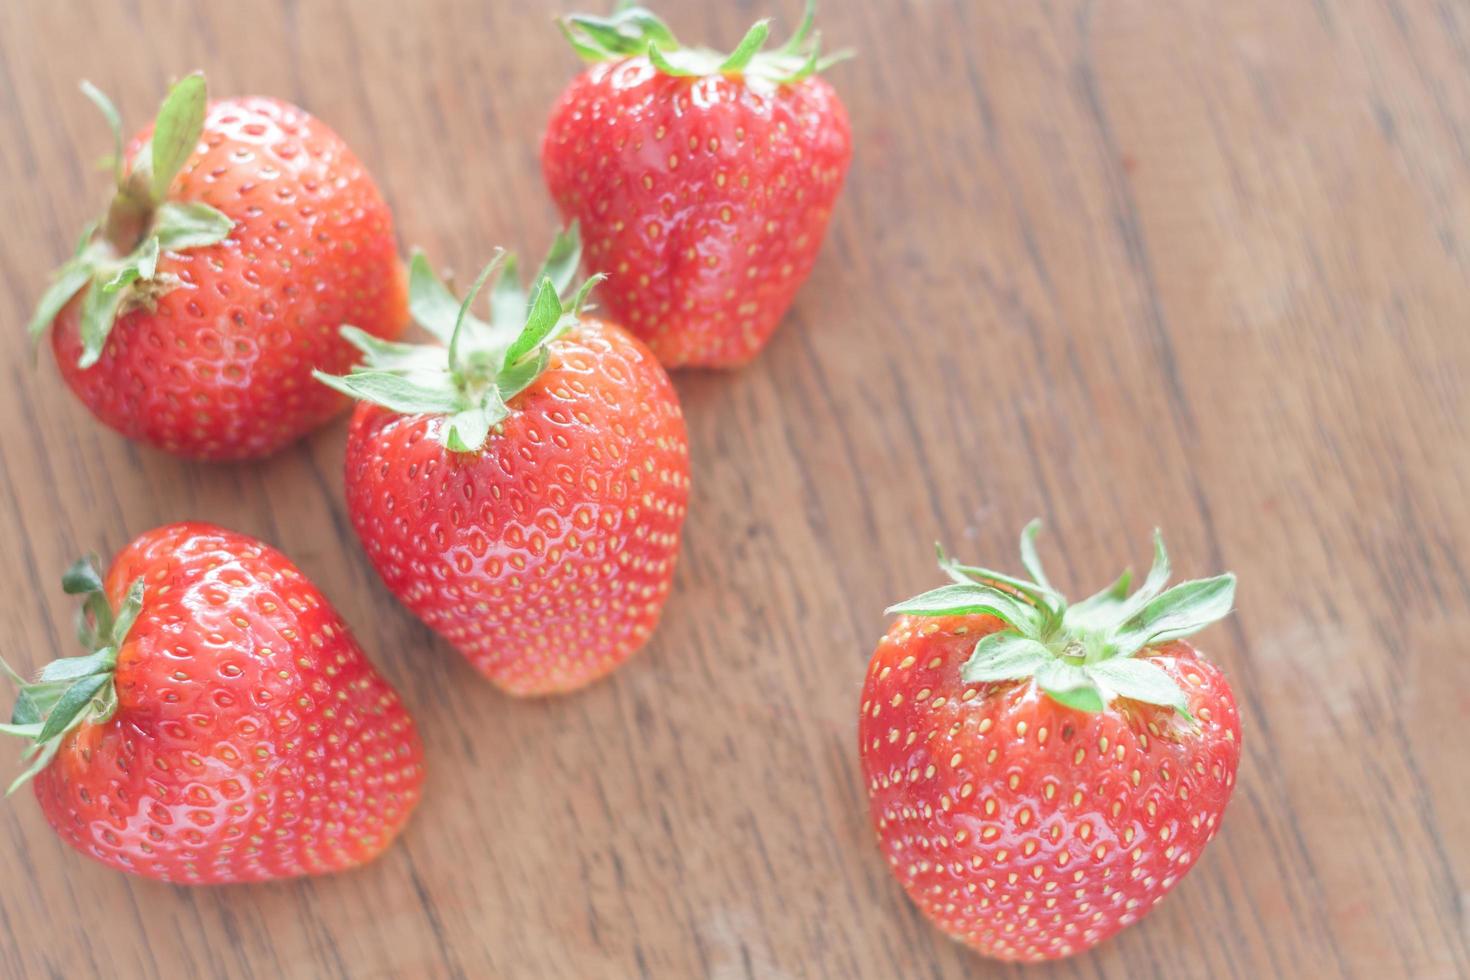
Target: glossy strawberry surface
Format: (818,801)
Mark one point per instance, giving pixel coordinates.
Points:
(546,556)
(220,368)
(1023,828)
(705,199)
(252,739)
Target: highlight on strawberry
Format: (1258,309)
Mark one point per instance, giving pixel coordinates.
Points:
(1041,773)
(222,724)
(521,485)
(242,233)
(703,181)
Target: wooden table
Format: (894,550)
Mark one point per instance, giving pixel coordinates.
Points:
(1200,265)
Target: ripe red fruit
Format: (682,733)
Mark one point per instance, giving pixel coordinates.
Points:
(1040,774)
(243,233)
(523,491)
(224,725)
(703,182)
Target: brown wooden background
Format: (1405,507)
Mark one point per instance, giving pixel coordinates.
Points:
(1120,263)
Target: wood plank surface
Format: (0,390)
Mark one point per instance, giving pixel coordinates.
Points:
(1119,264)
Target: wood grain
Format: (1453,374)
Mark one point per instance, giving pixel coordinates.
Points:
(1121,264)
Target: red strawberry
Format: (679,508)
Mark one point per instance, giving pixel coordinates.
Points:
(1040,774)
(243,233)
(703,182)
(523,491)
(224,726)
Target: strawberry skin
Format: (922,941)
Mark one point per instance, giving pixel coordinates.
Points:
(1023,828)
(705,197)
(546,556)
(218,367)
(251,739)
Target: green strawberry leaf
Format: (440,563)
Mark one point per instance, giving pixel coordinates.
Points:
(969,599)
(430,302)
(389,355)
(99,310)
(465,324)
(67,713)
(562,260)
(469,429)
(1029,559)
(179,225)
(114,123)
(82,578)
(1158,577)
(543,318)
(1139,680)
(746,50)
(70,278)
(176,131)
(1040,596)
(1004,657)
(1183,610)
(794,44)
(1069,685)
(70,668)
(397,393)
(39,759)
(508,300)
(518,377)
(1100,611)
(127,613)
(147,258)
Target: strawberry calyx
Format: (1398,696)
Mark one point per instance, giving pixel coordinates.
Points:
(1085,654)
(115,265)
(73,690)
(632,32)
(479,366)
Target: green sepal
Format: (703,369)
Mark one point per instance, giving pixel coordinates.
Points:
(508,300)
(633,31)
(1102,607)
(114,123)
(70,668)
(475,371)
(67,280)
(463,322)
(182,225)
(73,691)
(970,599)
(1004,657)
(1029,559)
(99,309)
(1182,611)
(176,132)
(1081,656)
(754,40)
(395,392)
(115,266)
(541,320)
(516,378)
(469,429)
(1139,680)
(430,302)
(562,260)
(1043,597)
(1069,684)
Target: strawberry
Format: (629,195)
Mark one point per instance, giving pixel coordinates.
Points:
(242,234)
(223,726)
(703,181)
(1041,774)
(521,488)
